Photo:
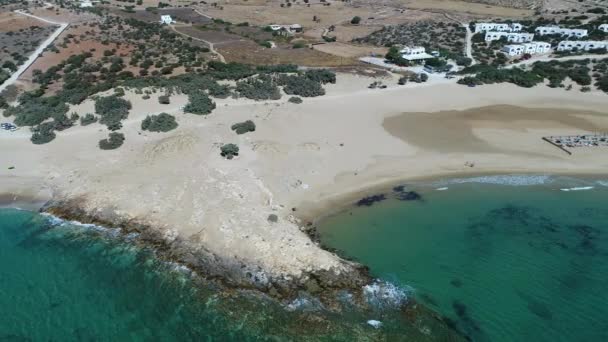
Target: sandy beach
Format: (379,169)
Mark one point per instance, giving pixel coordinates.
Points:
(301,161)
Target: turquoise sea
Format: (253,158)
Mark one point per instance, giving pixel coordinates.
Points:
(504,258)
(500,262)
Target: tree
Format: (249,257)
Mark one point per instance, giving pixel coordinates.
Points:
(295,99)
(88,119)
(321,75)
(355,20)
(199,103)
(424,77)
(162,122)
(112,110)
(243,127)
(302,86)
(43,133)
(229,151)
(114,141)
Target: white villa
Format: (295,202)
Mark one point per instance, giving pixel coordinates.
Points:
(531,48)
(293,28)
(166,19)
(568,45)
(501,27)
(543,30)
(511,37)
(414,53)
(603,27)
(85,4)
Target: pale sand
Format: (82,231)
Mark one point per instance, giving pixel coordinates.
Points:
(308,156)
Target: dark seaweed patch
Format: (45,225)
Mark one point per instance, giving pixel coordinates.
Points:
(370,200)
(409,196)
(470,325)
(536,306)
(399,188)
(512,213)
(456,282)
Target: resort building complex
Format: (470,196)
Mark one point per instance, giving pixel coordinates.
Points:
(603,27)
(414,53)
(544,30)
(511,37)
(501,27)
(530,48)
(568,45)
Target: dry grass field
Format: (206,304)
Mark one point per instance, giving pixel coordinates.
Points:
(350,50)
(252,53)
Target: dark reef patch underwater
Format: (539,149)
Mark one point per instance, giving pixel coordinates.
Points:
(502,258)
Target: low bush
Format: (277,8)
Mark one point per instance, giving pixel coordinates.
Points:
(302,86)
(243,127)
(229,151)
(112,110)
(164,99)
(114,141)
(88,119)
(261,87)
(322,76)
(43,133)
(295,99)
(162,122)
(199,103)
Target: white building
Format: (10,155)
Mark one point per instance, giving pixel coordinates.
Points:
(568,45)
(293,28)
(603,27)
(531,48)
(85,4)
(414,53)
(543,30)
(166,19)
(511,37)
(501,27)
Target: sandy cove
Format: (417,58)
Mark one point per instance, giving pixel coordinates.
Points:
(212,213)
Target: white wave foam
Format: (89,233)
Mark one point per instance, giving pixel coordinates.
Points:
(304,304)
(514,180)
(579,188)
(54,220)
(384,294)
(602,182)
(442,189)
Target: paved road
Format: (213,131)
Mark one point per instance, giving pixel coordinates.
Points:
(38,51)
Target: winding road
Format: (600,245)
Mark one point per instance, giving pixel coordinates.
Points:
(39,50)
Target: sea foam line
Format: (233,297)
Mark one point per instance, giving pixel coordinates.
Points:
(578,188)
(383,294)
(514,180)
(54,220)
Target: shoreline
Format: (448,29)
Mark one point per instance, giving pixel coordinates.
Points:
(311,214)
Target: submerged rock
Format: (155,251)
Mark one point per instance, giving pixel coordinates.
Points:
(409,196)
(370,200)
(374,323)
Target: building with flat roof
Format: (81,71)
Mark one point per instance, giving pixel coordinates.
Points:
(584,45)
(500,27)
(511,36)
(543,30)
(166,19)
(414,53)
(603,27)
(530,48)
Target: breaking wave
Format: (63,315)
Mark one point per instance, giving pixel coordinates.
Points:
(383,294)
(514,180)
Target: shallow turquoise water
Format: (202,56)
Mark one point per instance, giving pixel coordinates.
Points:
(503,262)
(66,282)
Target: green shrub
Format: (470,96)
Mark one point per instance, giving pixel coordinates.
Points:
(302,86)
(114,141)
(164,99)
(322,76)
(261,87)
(295,99)
(243,127)
(88,119)
(162,122)
(199,103)
(355,20)
(43,133)
(299,44)
(112,110)
(229,151)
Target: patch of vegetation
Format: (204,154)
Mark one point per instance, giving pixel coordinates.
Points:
(295,99)
(322,76)
(33,109)
(112,110)
(261,87)
(301,85)
(164,99)
(43,133)
(199,103)
(229,151)
(114,141)
(88,119)
(162,122)
(243,127)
